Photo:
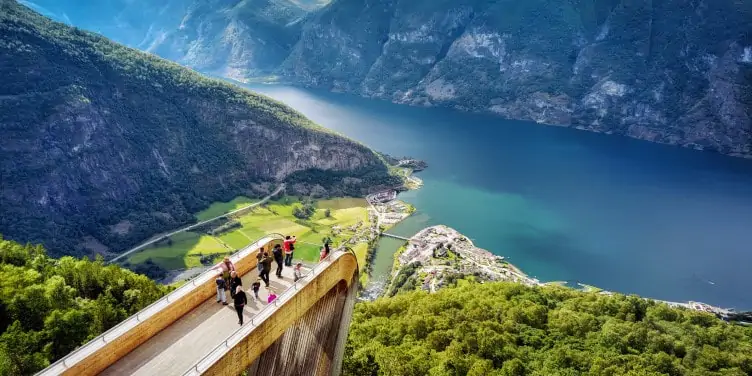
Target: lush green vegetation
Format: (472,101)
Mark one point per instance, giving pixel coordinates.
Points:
(186,249)
(218,208)
(138,144)
(49,306)
(306,210)
(509,329)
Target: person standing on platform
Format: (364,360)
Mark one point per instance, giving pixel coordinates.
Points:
(256,286)
(240,301)
(289,246)
(259,257)
(298,272)
(226,267)
(235,282)
(266,268)
(221,283)
(279,259)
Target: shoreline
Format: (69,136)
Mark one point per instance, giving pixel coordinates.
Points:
(427,252)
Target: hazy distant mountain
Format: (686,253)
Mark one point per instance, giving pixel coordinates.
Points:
(233,38)
(104,145)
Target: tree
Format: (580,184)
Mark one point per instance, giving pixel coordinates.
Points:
(512,330)
(49,307)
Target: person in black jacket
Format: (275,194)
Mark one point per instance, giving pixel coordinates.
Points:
(266,268)
(279,258)
(221,283)
(240,301)
(235,281)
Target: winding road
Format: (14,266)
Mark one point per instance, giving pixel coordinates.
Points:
(158,238)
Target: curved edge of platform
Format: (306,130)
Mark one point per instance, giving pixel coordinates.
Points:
(107,348)
(244,346)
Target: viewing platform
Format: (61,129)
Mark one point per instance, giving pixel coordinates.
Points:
(188,333)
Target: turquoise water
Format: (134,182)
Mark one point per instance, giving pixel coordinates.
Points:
(621,214)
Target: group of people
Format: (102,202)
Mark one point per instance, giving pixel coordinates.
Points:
(229,280)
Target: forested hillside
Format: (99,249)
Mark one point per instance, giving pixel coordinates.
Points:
(508,329)
(104,146)
(49,306)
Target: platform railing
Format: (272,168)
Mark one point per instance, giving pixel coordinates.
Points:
(129,323)
(215,354)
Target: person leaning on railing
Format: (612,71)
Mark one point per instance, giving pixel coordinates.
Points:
(226,267)
(289,247)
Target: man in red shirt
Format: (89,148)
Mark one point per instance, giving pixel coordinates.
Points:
(289,247)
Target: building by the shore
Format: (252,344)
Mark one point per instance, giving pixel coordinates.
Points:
(382,197)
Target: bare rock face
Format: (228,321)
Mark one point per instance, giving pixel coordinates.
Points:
(104,146)
(230,38)
(672,71)
(675,72)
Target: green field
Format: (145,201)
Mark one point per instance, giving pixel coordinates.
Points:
(275,217)
(218,208)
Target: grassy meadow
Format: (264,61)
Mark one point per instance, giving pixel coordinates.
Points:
(275,217)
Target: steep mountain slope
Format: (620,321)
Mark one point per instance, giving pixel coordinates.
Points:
(104,146)
(233,38)
(678,72)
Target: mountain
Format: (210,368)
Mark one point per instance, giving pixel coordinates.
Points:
(507,329)
(104,146)
(676,71)
(231,38)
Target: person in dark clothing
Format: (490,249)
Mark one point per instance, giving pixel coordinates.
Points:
(221,297)
(256,286)
(266,268)
(235,281)
(279,258)
(259,257)
(240,301)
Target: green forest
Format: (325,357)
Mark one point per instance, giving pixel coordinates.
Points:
(508,329)
(48,306)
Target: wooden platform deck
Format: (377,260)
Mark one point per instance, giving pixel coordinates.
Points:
(173,350)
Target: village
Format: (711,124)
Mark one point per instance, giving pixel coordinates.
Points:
(439,254)
(386,211)
(442,252)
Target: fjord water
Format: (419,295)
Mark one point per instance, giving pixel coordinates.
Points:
(565,205)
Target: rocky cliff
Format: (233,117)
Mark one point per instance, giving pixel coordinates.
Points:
(104,145)
(231,38)
(677,71)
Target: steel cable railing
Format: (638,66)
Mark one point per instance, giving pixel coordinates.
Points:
(265,312)
(136,319)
